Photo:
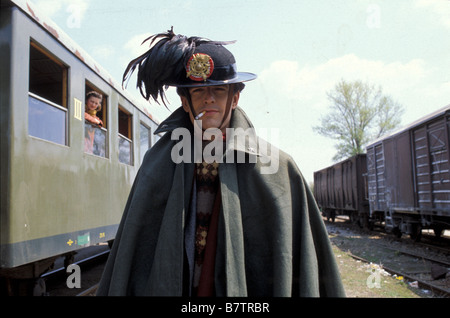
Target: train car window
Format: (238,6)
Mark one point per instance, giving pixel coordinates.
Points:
(125,136)
(47,98)
(145,140)
(96,121)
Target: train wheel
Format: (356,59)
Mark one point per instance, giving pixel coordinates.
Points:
(438,231)
(40,288)
(396,231)
(354,218)
(416,233)
(364,222)
(331,215)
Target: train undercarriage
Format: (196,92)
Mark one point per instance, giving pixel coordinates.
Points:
(395,222)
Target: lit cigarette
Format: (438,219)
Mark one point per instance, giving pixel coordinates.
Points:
(200,115)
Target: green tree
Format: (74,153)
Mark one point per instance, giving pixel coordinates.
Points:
(359,113)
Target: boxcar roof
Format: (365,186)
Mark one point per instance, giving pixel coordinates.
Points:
(340,162)
(415,123)
(46,23)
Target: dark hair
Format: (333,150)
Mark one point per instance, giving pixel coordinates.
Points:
(237,87)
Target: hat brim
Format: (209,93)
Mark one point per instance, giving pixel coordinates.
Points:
(239,78)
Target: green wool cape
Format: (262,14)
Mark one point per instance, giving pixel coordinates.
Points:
(271,239)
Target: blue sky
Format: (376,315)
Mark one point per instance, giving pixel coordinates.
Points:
(299,50)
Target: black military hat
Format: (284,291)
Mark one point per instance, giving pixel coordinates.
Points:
(176,60)
(212,64)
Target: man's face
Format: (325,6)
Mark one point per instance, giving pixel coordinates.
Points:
(212,100)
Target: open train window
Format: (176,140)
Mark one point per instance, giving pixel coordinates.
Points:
(96,121)
(125,136)
(47,97)
(145,134)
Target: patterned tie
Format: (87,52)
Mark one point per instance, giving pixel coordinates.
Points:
(207,185)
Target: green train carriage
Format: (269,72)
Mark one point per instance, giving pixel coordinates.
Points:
(56,196)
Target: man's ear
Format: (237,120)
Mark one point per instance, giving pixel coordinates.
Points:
(235,101)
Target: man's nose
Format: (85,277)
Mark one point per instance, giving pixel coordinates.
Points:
(209,96)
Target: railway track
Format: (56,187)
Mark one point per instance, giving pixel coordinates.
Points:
(91,264)
(89,291)
(431,272)
(437,289)
(423,265)
(429,240)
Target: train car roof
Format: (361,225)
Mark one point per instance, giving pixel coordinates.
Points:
(47,24)
(413,124)
(340,162)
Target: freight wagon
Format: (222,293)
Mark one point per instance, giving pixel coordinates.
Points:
(409,177)
(341,189)
(57,195)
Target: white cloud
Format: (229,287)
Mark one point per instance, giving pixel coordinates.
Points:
(134,46)
(292,97)
(50,7)
(310,83)
(132,49)
(440,8)
(101,52)
(74,9)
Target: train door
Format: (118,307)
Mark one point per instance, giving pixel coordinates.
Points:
(376,182)
(432,166)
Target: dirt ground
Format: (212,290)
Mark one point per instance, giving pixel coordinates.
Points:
(369,279)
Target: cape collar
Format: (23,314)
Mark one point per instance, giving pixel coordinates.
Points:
(239,120)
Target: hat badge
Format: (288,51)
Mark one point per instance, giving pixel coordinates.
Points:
(199,67)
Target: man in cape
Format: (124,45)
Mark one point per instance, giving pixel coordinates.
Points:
(214,209)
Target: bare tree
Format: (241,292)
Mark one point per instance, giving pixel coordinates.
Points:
(359,113)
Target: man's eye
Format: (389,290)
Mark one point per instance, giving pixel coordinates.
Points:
(197,90)
(220,89)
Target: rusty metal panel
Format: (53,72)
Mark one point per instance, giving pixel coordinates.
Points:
(354,193)
(337,186)
(409,171)
(432,168)
(331,202)
(361,181)
(349,184)
(422,168)
(342,186)
(399,190)
(376,177)
(320,187)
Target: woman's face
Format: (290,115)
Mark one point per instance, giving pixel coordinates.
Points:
(93,103)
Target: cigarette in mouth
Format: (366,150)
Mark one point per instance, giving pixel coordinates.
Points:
(200,115)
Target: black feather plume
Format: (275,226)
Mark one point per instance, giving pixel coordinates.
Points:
(164,63)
